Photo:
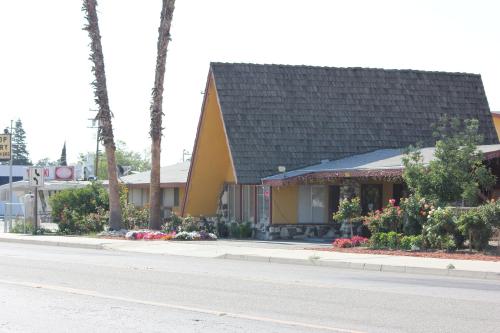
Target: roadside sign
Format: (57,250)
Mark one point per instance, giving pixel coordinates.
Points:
(5,147)
(36,177)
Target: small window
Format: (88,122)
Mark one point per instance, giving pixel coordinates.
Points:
(264,204)
(248,203)
(371,197)
(176,197)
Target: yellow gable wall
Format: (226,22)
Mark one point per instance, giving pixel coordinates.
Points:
(496,121)
(211,165)
(285,201)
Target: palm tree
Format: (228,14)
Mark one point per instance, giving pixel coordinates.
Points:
(104,114)
(156,113)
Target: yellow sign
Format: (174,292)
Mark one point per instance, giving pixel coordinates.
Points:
(5,147)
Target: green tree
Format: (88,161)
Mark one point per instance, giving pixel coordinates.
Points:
(46,162)
(62,160)
(156,113)
(20,155)
(124,157)
(349,209)
(104,114)
(457,172)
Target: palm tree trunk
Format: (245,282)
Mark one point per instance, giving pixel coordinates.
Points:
(157,113)
(104,115)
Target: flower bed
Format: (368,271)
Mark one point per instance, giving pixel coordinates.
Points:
(350,242)
(158,235)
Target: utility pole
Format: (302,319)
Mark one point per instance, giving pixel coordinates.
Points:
(10,178)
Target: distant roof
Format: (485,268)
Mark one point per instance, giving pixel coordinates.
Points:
(379,162)
(299,115)
(495,113)
(172,174)
(50,185)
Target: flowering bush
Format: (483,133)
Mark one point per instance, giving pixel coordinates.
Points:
(149,235)
(350,242)
(411,242)
(195,235)
(389,219)
(342,243)
(440,224)
(349,209)
(359,241)
(415,212)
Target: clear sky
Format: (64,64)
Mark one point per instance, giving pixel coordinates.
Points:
(45,72)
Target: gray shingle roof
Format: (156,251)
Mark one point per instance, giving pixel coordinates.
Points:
(299,115)
(171,174)
(379,160)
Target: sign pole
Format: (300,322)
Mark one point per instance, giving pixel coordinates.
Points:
(10,180)
(37,179)
(35,212)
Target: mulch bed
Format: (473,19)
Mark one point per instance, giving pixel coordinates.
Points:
(462,254)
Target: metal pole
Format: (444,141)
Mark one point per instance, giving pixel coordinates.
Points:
(35,213)
(10,180)
(97,155)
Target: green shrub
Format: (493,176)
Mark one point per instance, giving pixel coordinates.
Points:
(379,240)
(222,230)
(234,230)
(415,212)
(349,210)
(189,224)
(475,225)
(20,227)
(389,219)
(82,201)
(439,226)
(172,224)
(245,230)
(134,217)
(71,222)
(406,242)
(393,239)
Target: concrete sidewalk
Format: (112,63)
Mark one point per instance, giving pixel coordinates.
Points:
(276,252)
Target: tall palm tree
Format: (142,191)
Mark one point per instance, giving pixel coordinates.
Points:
(167,12)
(104,114)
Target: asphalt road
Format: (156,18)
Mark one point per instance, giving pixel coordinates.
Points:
(52,289)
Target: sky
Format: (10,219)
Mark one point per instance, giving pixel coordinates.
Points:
(45,72)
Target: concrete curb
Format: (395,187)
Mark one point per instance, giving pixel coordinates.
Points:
(53,243)
(368,267)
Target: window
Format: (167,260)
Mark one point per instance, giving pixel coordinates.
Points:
(248,203)
(234,203)
(176,197)
(371,197)
(264,204)
(399,191)
(313,204)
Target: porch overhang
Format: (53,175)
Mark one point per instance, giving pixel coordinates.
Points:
(379,164)
(331,176)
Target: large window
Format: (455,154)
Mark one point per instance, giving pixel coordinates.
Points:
(313,204)
(248,203)
(264,204)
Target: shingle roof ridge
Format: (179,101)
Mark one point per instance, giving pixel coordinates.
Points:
(346,68)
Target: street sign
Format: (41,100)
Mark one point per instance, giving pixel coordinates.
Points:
(36,177)
(5,147)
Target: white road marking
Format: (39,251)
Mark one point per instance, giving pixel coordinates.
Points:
(91,293)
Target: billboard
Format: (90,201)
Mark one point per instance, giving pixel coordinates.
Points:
(5,147)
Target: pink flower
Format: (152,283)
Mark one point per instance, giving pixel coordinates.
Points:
(392,202)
